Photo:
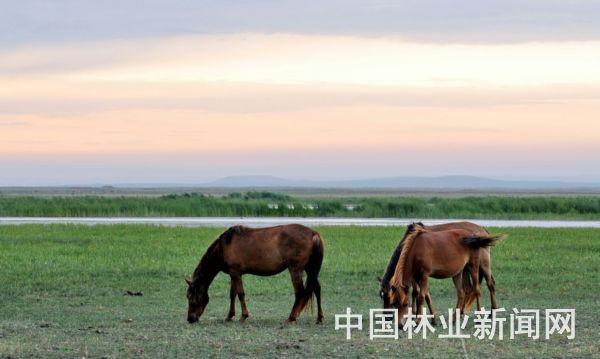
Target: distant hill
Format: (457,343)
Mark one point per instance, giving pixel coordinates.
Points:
(443,182)
(255,181)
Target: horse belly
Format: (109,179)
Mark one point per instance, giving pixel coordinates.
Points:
(442,274)
(441,257)
(265,272)
(447,266)
(257,262)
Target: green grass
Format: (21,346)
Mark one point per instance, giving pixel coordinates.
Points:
(274,204)
(62,286)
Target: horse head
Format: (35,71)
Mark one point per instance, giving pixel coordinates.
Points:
(197,295)
(398,298)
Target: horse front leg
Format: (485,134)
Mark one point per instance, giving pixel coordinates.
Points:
(423,290)
(415,298)
(232,295)
(431,307)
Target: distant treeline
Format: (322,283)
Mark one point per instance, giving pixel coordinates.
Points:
(274,204)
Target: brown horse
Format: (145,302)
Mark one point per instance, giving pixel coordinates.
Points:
(260,251)
(439,255)
(485,270)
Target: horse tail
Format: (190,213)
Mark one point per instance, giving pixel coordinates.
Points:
(313,267)
(468,287)
(476,242)
(480,241)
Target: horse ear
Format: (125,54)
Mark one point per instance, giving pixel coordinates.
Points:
(379,279)
(188,281)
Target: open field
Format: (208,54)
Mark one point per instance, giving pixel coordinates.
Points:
(270,204)
(62,294)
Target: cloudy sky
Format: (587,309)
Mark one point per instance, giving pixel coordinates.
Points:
(188,91)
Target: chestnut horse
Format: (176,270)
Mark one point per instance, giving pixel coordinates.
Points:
(485,270)
(442,254)
(260,251)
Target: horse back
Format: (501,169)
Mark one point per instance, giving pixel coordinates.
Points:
(468,226)
(441,254)
(268,251)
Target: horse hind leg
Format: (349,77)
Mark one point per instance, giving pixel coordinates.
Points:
(491,284)
(312,269)
(313,286)
(476,284)
(299,295)
(319,308)
(485,271)
(460,291)
(232,296)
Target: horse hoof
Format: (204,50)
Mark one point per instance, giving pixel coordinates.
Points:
(228,319)
(433,321)
(290,321)
(244,317)
(319,320)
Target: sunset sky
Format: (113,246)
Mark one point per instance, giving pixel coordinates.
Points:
(114,92)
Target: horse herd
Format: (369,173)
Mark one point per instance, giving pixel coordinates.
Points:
(459,250)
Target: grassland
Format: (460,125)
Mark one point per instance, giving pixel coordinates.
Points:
(263,204)
(62,295)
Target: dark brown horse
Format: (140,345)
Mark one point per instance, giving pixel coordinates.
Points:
(439,255)
(260,251)
(485,270)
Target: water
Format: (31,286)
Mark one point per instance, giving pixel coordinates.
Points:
(273,221)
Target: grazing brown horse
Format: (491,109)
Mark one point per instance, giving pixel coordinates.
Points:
(260,251)
(439,255)
(485,270)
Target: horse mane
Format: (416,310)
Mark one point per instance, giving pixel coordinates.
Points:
(210,261)
(391,267)
(412,232)
(227,236)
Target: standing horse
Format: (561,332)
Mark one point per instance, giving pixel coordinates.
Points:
(485,270)
(439,255)
(260,251)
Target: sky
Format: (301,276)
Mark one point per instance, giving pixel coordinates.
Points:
(121,92)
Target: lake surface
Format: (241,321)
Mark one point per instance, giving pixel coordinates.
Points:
(273,221)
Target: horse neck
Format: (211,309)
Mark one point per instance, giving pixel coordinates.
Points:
(407,273)
(404,269)
(389,272)
(210,265)
(391,268)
